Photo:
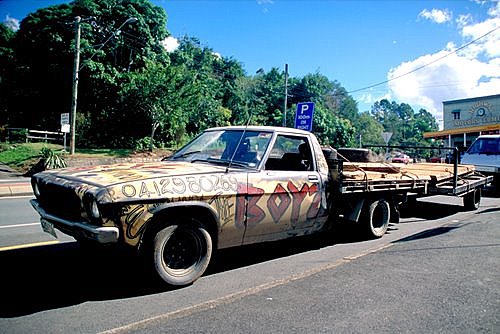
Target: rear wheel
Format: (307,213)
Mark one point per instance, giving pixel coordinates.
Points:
(181,253)
(472,199)
(376,217)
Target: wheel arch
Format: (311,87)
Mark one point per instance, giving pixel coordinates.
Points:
(164,214)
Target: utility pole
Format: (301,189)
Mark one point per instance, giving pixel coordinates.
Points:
(77,69)
(286,95)
(74,95)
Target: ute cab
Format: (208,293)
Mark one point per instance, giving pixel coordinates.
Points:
(484,154)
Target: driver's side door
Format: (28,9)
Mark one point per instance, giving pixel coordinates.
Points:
(284,196)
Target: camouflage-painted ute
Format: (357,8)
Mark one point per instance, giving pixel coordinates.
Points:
(253,184)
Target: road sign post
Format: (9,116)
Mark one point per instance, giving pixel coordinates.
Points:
(65,127)
(386,136)
(304,116)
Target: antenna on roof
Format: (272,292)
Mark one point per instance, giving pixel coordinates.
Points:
(239,142)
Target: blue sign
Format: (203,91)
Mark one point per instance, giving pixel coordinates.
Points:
(304,116)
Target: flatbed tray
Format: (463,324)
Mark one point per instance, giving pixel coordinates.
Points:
(421,177)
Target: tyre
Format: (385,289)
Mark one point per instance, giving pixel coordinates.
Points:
(472,200)
(376,217)
(181,253)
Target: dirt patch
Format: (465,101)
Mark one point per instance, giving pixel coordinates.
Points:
(83,160)
(139,157)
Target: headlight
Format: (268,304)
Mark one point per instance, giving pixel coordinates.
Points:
(36,190)
(94,210)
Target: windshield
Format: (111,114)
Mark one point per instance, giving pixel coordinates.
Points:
(485,146)
(238,147)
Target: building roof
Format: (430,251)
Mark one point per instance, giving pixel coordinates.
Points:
(457,131)
(472,99)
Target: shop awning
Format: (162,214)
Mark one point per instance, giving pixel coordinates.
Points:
(458,131)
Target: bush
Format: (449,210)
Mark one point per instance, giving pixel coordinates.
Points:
(52,159)
(48,159)
(144,144)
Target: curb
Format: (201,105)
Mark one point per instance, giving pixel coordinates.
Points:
(15,189)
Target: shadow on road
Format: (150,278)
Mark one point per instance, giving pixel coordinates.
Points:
(430,210)
(61,275)
(50,277)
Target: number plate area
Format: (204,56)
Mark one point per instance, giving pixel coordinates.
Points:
(48,227)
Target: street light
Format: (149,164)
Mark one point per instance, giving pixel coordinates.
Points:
(77,69)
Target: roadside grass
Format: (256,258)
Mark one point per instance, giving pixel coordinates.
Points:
(18,156)
(21,156)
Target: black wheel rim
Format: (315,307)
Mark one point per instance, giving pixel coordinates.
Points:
(183,250)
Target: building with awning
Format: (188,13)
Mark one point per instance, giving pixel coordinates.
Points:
(466,119)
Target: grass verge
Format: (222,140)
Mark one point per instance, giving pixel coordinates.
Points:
(22,156)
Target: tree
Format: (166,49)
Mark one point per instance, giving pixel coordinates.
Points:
(7,63)
(159,95)
(331,104)
(369,130)
(42,90)
(332,130)
(406,126)
(216,82)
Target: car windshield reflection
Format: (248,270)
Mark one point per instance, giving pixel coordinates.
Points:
(226,147)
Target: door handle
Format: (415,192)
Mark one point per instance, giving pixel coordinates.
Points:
(313,178)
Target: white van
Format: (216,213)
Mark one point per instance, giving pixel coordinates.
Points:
(484,153)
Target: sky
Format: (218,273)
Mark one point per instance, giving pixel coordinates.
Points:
(416,52)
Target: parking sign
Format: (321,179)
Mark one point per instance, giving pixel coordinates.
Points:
(304,116)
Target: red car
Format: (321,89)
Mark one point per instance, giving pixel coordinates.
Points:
(401,158)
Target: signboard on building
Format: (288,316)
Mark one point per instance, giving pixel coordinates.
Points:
(473,112)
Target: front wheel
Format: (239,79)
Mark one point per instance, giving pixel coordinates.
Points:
(181,253)
(376,218)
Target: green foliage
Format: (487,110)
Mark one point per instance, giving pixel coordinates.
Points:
(133,94)
(144,144)
(52,159)
(16,136)
(369,129)
(332,130)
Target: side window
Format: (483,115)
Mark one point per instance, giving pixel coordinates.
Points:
(290,153)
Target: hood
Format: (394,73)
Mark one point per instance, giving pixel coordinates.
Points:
(109,175)
(491,160)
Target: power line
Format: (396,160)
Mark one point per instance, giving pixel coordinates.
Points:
(425,65)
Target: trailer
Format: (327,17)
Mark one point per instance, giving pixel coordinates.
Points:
(362,188)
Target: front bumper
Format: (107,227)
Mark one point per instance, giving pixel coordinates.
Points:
(79,229)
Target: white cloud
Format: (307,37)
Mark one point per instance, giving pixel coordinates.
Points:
(464,20)
(170,43)
(450,74)
(436,15)
(265,5)
(12,23)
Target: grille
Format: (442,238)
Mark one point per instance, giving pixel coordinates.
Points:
(60,201)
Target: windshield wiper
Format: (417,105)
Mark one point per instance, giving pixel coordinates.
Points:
(227,162)
(185,155)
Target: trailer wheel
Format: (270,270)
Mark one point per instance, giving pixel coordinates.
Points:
(472,199)
(181,253)
(376,218)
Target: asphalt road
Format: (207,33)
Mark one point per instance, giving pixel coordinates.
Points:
(20,226)
(437,271)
